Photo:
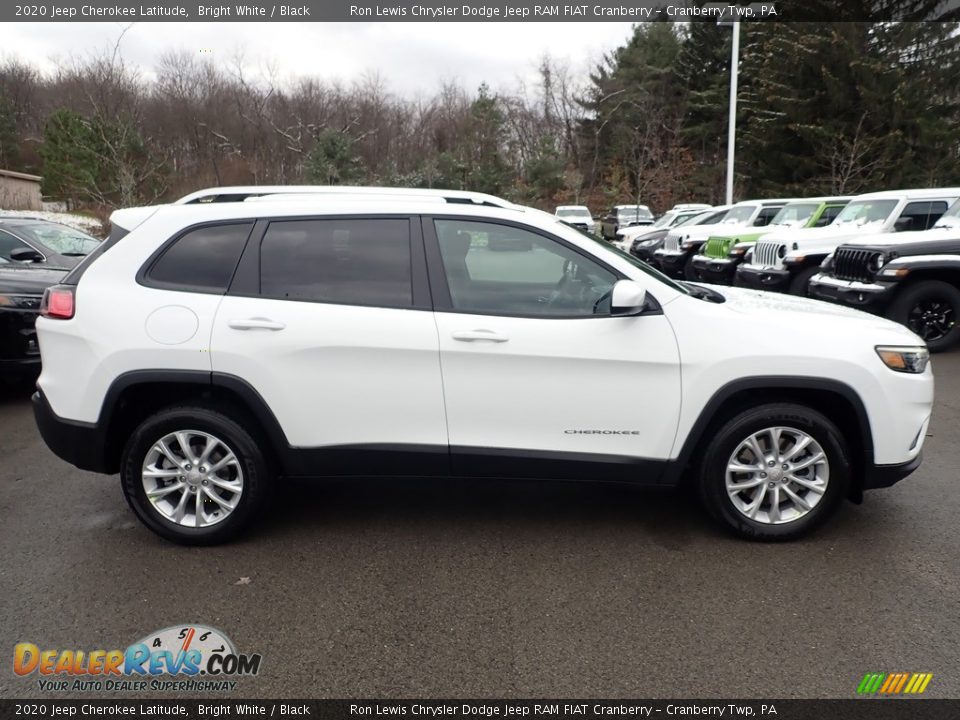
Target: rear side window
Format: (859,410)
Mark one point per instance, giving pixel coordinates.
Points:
(202,259)
(344,261)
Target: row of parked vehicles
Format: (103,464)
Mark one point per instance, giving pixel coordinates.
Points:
(893,253)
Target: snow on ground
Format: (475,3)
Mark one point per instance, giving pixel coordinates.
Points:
(89,225)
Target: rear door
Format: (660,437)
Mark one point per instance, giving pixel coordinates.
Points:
(329,320)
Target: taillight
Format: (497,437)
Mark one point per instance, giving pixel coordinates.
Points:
(58,302)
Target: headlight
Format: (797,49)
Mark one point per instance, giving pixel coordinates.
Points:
(904,359)
(876,261)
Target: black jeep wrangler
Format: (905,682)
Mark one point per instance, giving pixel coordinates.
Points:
(915,283)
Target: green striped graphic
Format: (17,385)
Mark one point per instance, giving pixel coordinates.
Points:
(871,683)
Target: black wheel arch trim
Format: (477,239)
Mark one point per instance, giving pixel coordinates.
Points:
(770,382)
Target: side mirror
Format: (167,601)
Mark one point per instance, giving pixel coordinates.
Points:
(628,298)
(903,224)
(26,255)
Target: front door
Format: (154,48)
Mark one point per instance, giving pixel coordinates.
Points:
(539,379)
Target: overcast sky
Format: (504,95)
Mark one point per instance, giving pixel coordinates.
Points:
(410,57)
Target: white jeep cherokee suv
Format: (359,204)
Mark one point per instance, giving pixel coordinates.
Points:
(208,349)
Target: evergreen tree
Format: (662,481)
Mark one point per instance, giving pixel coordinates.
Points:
(70,156)
(334,160)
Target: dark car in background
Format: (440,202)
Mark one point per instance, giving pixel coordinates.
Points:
(21,289)
(25,240)
(621,216)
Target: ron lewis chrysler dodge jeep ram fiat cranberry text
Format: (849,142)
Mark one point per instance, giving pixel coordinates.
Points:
(207,349)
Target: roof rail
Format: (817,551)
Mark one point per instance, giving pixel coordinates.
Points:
(243,192)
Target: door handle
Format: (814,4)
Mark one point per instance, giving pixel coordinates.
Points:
(256,323)
(474,335)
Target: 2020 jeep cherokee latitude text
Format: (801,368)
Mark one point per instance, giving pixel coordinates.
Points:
(209,348)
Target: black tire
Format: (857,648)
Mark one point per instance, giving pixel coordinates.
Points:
(689,271)
(942,297)
(257,477)
(713,468)
(800,284)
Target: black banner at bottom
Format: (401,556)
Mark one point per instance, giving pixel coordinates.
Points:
(854,709)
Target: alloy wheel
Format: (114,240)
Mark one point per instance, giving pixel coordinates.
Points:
(777,475)
(192,478)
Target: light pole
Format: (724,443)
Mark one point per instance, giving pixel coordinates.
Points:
(732,123)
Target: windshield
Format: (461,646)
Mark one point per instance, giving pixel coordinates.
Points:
(795,215)
(572,212)
(866,212)
(636,262)
(951,218)
(739,214)
(633,213)
(665,220)
(61,239)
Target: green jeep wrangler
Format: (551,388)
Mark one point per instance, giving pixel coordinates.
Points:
(721,254)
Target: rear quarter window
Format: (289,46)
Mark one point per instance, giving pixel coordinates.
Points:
(202,259)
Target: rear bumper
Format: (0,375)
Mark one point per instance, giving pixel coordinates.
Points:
(80,444)
(867,296)
(763,278)
(719,271)
(883,476)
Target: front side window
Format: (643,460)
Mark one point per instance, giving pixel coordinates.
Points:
(920,215)
(765,216)
(829,214)
(504,270)
(201,259)
(8,243)
(343,261)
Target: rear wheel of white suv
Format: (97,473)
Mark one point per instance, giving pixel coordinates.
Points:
(194,476)
(775,472)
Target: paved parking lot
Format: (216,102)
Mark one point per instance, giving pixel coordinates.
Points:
(429,589)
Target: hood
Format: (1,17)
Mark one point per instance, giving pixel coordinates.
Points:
(26,280)
(936,241)
(829,234)
(702,232)
(789,310)
(643,235)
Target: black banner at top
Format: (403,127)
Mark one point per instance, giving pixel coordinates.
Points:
(477,11)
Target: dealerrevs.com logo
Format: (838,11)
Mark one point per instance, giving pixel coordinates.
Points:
(181,658)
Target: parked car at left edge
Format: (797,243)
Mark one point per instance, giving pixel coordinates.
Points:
(41,242)
(21,289)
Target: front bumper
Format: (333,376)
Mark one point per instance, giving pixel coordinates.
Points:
(866,296)
(672,262)
(883,476)
(758,278)
(718,271)
(80,444)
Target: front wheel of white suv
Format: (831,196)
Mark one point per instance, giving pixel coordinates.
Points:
(775,472)
(194,476)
